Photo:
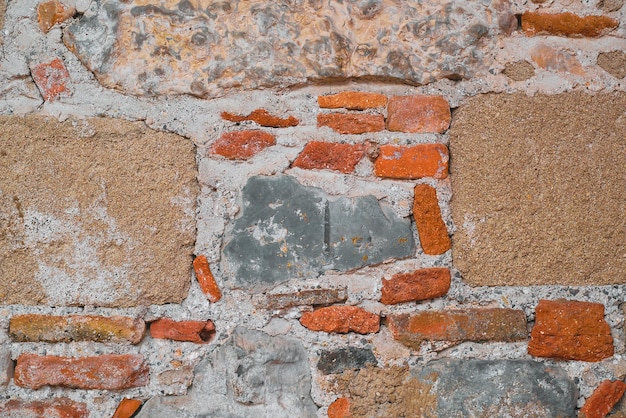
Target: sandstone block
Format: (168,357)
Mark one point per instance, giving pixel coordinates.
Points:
(341,319)
(432,231)
(352,100)
(50,13)
(52,79)
(418,114)
(127,408)
(340,408)
(330,156)
(199,332)
(263,118)
(242,145)
(519,71)
(613,62)
(603,399)
(342,359)
(412,162)
(417,285)
(566,24)
(58,407)
(205,279)
(348,123)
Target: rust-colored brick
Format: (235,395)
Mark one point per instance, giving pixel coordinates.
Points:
(52,79)
(493,324)
(205,279)
(200,332)
(352,100)
(418,285)
(242,145)
(59,407)
(570,330)
(263,118)
(341,319)
(603,399)
(340,408)
(107,372)
(127,408)
(431,229)
(351,123)
(330,156)
(566,24)
(418,114)
(412,162)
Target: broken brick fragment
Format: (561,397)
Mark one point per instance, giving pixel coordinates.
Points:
(206,280)
(127,408)
(52,79)
(263,118)
(340,408)
(199,332)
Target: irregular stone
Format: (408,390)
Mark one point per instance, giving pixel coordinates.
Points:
(342,359)
(432,231)
(519,71)
(603,399)
(341,319)
(349,123)
(340,408)
(242,145)
(291,231)
(412,162)
(54,329)
(543,167)
(352,100)
(263,118)
(6,367)
(613,62)
(417,285)
(330,156)
(106,372)
(608,6)
(50,13)
(251,374)
(3,9)
(551,59)
(302,298)
(418,114)
(570,330)
(52,79)
(205,279)
(94,212)
(58,407)
(199,332)
(157,48)
(566,24)
(127,408)
(176,380)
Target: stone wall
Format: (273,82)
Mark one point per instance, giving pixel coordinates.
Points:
(311,209)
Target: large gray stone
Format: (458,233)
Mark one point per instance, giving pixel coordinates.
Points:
(291,231)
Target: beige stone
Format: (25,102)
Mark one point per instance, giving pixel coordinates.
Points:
(540,189)
(98,212)
(613,62)
(519,71)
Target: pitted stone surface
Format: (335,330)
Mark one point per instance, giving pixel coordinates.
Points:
(147,47)
(291,231)
(342,359)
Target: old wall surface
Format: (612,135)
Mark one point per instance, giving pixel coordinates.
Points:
(357,208)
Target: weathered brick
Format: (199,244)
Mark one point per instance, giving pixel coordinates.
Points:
(127,408)
(570,330)
(418,285)
(431,229)
(205,279)
(301,298)
(340,408)
(341,319)
(50,13)
(351,123)
(330,156)
(52,79)
(556,60)
(53,329)
(412,162)
(352,100)
(603,399)
(59,407)
(242,145)
(200,332)
(107,372)
(494,324)
(418,114)
(263,118)
(566,24)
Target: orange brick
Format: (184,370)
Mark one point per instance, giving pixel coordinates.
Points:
(107,372)
(263,118)
(242,145)
(50,13)
(52,79)
(603,399)
(350,123)
(458,325)
(418,114)
(570,330)
(566,24)
(127,408)
(414,162)
(205,279)
(340,408)
(330,156)
(418,285)
(341,319)
(431,229)
(352,100)
(59,407)
(200,332)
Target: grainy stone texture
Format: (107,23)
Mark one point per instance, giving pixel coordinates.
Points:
(342,359)
(613,62)
(94,212)
(519,71)
(539,193)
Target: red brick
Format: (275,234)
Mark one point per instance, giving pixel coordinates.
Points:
(200,332)
(206,280)
(431,229)
(330,156)
(340,408)
(263,118)
(418,114)
(412,162)
(59,407)
(418,285)
(127,408)
(566,24)
(107,372)
(50,13)
(603,399)
(350,123)
(341,319)
(352,100)
(242,145)
(52,79)
(493,324)
(570,330)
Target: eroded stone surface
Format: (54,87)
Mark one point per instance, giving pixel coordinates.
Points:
(147,47)
(342,359)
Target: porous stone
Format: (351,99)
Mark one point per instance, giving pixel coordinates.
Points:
(613,62)
(94,212)
(342,359)
(538,193)
(519,71)
(291,231)
(205,49)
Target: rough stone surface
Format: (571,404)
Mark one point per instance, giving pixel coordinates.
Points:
(603,399)
(613,62)
(50,13)
(291,231)
(352,100)
(341,319)
(330,156)
(6,367)
(302,298)
(199,332)
(519,71)
(548,210)
(610,5)
(263,118)
(566,24)
(59,407)
(146,47)
(250,375)
(342,359)
(3,9)
(94,212)
(552,59)
(417,285)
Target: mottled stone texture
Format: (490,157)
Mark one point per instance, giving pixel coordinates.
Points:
(147,47)
(540,189)
(94,212)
